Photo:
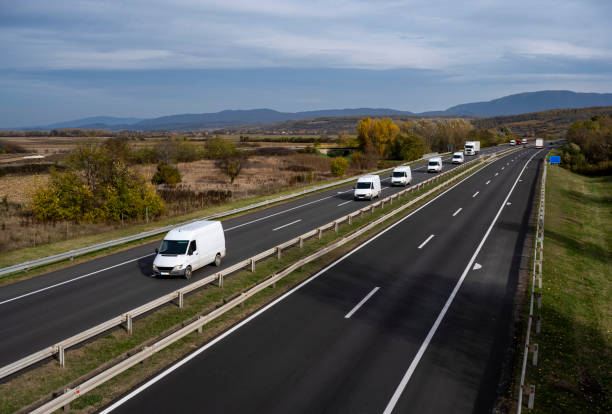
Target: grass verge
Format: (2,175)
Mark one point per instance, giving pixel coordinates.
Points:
(573,371)
(41,381)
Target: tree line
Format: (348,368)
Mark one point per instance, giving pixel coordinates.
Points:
(589,148)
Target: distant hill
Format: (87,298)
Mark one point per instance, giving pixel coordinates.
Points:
(509,105)
(94,120)
(531,102)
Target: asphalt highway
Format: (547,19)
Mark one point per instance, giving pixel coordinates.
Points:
(416,320)
(43,310)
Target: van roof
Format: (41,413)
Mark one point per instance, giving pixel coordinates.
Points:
(402,168)
(188,230)
(436,159)
(368,177)
(457,153)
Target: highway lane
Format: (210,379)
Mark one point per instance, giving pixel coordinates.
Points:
(41,311)
(306,355)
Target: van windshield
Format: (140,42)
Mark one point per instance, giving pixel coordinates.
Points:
(433,163)
(173,246)
(362,185)
(399,174)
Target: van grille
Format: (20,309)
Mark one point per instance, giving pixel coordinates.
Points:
(164,269)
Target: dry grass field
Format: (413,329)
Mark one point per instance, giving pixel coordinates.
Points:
(203,184)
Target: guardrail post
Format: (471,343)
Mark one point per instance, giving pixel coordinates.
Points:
(350,219)
(199,327)
(180,300)
(252,265)
(336,226)
(538,296)
(382,204)
(531,397)
(220,280)
(278,252)
(301,243)
(319,233)
(67,406)
(372,209)
(61,355)
(538,323)
(128,323)
(535,355)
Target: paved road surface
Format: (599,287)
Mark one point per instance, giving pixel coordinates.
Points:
(404,324)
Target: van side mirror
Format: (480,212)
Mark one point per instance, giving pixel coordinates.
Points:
(156,250)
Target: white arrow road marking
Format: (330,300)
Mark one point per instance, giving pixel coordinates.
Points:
(477,266)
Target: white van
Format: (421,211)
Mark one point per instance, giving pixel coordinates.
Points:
(512,142)
(458,158)
(367,187)
(190,247)
(434,164)
(401,176)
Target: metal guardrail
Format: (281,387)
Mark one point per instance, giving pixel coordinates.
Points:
(538,256)
(178,295)
(111,243)
(74,393)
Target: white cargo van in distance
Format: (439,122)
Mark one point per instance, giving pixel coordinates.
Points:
(539,143)
(471,147)
(401,176)
(434,164)
(458,158)
(367,187)
(189,248)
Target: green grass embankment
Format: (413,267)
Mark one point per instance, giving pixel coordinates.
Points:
(575,358)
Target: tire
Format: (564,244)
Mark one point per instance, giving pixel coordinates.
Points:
(217,261)
(188,272)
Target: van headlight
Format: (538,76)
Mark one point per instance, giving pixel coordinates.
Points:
(178,267)
(154,267)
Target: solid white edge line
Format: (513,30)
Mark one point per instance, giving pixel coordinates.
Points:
(346,202)
(426,241)
(402,385)
(288,224)
(475,194)
(457,212)
(265,308)
(72,280)
(360,304)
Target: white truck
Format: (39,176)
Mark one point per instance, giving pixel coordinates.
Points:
(539,143)
(367,187)
(471,147)
(190,247)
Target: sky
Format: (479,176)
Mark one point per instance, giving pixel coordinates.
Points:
(69,59)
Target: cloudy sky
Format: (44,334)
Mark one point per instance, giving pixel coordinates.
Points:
(68,59)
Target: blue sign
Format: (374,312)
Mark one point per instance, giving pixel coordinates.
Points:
(555,159)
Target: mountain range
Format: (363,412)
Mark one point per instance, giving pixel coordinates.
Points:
(507,105)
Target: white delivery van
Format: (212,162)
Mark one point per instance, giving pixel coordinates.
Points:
(401,176)
(190,247)
(367,187)
(458,158)
(471,147)
(539,143)
(524,141)
(512,142)
(434,164)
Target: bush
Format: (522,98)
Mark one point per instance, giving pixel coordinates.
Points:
(166,174)
(217,148)
(407,147)
(339,166)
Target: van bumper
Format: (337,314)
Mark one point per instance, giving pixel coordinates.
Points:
(163,272)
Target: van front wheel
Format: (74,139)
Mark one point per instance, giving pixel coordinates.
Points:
(217,261)
(188,273)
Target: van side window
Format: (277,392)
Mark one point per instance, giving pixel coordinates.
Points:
(192,247)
